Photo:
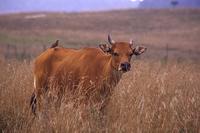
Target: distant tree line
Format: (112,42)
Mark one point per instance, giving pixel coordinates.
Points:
(169,3)
(174,3)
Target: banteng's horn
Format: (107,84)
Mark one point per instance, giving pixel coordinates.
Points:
(110,39)
(131,42)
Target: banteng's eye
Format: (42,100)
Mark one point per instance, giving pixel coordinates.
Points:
(131,54)
(115,54)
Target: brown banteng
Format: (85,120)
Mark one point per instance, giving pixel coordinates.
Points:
(96,70)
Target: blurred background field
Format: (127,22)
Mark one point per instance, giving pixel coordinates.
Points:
(26,35)
(161,93)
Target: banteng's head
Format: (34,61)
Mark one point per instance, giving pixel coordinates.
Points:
(121,53)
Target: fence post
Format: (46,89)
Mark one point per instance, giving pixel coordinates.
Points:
(23,53)
(167,53)
(7,51)
(15,54)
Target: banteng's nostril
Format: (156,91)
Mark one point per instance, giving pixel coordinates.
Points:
(125,66)
(122,64)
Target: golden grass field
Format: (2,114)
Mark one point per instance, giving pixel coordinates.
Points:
(161,94)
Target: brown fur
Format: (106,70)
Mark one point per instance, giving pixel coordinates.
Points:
(61,69)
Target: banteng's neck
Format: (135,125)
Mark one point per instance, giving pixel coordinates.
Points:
(113,76)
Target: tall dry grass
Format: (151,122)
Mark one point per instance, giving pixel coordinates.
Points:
(153,97)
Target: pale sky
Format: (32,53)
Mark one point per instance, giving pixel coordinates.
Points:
(65,5)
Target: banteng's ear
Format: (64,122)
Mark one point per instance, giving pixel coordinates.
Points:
(139,50)
(105,48)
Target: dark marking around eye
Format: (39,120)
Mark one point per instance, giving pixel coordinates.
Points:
(115,54)
(131,54)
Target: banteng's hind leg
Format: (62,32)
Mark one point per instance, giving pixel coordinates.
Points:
(33,103)
(58,101)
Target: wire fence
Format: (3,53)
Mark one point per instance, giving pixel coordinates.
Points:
(10,51)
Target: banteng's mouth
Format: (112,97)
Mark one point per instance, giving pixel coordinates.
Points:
(124,69)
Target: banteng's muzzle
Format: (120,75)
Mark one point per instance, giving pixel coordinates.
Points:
(125,66)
